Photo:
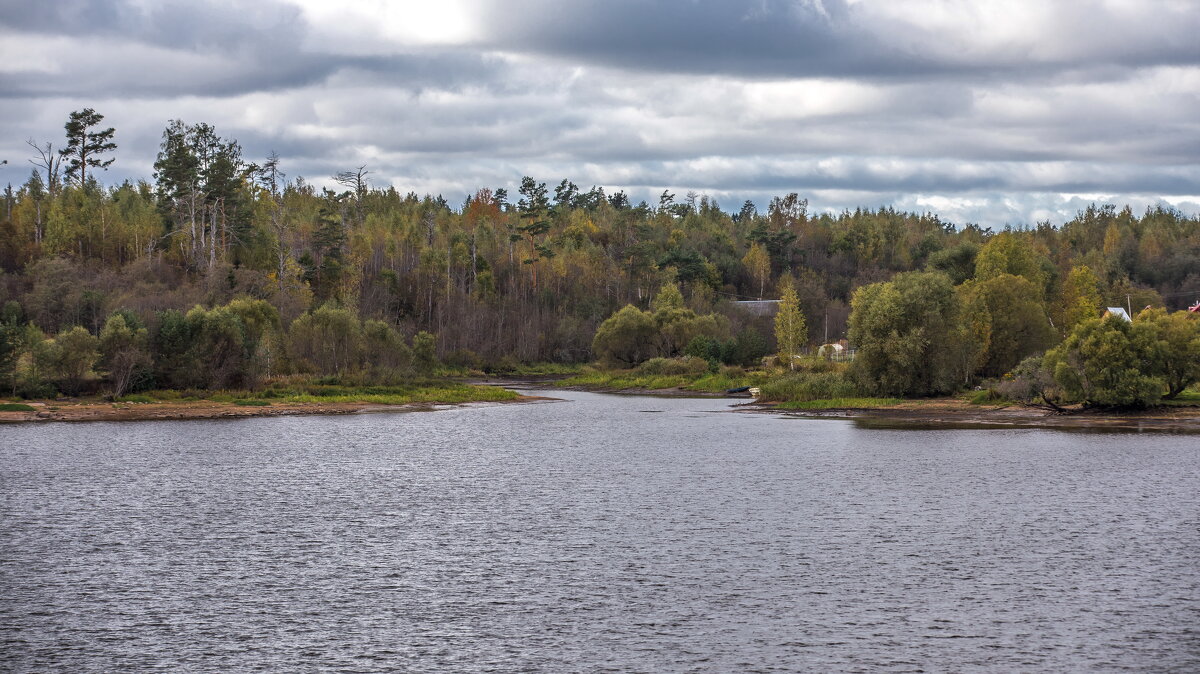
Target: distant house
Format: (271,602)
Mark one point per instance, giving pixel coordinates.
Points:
(828,351)
(1118,312)
(1195,308)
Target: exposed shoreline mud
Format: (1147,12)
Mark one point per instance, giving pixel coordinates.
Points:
(941,413)
(952,413)
(207,409)
(936,412)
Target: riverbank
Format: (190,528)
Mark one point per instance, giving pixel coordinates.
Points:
(145,410)
(946,412)
(958,413)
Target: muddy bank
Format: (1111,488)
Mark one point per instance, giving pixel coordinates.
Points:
(207,409)
(952,413)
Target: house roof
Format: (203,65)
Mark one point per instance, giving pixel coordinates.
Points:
(1118,311)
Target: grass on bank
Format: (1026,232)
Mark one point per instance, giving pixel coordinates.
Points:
(839,403)
(689,374)
(1190,397)
(292,391)
(16,407)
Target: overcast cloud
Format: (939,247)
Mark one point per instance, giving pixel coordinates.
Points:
(995,112)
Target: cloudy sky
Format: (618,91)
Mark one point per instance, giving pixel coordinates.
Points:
(989,111)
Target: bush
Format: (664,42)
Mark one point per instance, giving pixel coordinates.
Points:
(424,351)
(328,341)
(627,337)
(464,359)
(988,396)
(504,365)
(1108,362)
(687,365)
(806,386)
(1029,383)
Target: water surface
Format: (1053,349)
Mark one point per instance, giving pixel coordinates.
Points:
(603,533)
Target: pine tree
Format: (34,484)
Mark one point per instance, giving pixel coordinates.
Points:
(83,145)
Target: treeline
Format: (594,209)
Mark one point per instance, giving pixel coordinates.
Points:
(525,277)
(919,335)
(235,346)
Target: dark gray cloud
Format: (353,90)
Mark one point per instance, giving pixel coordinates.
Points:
(834,38)
(177,24)
(185,48)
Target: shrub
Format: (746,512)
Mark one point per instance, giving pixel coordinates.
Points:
(687,365)
(806,386)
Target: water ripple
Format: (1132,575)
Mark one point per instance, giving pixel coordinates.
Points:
(589,536)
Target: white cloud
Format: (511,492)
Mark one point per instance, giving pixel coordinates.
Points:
(387,26)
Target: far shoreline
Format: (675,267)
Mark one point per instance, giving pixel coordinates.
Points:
(79,411)
(942,413)
(947,413)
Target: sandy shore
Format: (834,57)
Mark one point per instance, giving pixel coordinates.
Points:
(207,409)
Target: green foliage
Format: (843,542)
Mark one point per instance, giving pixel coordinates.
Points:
(1080,298)
(124,352)
(853,403)
(808,386)
(911,336)
(328,340)
(1009,253)
(790,329)
(84,145)
(1174,351)
(1008,319)
(68,359)
(1029,383)
(958,262)
(631,335)
(177,364)
(678,327)
(386,353)
(11,343)
(758,263)
(1108,362)
(424,351)
(219,342)
(686,365)
(669,298)
(627,337)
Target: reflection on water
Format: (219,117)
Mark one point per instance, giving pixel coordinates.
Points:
(587,535)
(884,423)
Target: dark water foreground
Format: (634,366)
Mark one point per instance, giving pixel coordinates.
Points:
(606,533)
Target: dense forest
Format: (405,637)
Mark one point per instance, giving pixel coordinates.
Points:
(219,270)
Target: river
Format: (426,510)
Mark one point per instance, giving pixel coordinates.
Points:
(600,533)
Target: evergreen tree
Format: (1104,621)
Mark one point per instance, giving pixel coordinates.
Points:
(84,146)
